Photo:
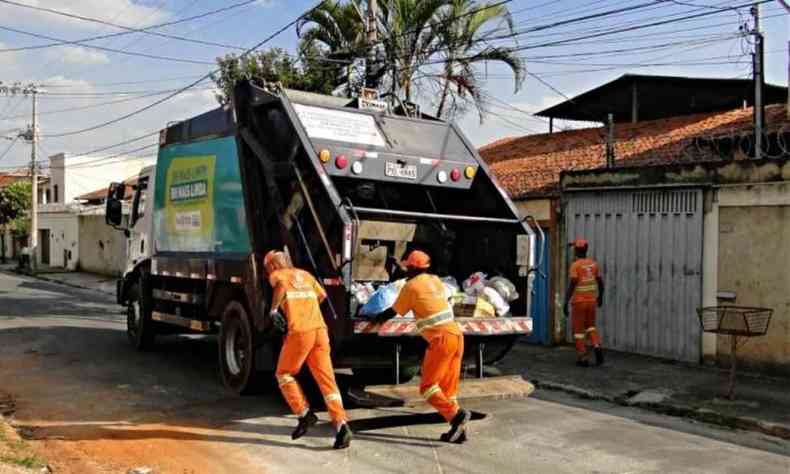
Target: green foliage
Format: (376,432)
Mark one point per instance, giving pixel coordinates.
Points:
(15,201)
(274,65)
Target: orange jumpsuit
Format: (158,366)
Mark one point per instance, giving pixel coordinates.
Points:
(299,296)
(584,302)
(424,295)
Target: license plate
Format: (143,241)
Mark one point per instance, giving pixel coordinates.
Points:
(395,170)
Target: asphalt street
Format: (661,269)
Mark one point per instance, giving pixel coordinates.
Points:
(89,403)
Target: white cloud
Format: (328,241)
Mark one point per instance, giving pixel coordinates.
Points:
(124,12)
(77,55)
(61,82)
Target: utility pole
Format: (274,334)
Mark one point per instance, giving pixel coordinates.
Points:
(786,4)
(372,38)
(759,80)
(34,185)
(610,142)
(31,135)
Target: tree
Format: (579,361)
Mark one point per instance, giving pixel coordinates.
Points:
(274,66)
(462,31)
(409,38)
(337,31)
(15,201)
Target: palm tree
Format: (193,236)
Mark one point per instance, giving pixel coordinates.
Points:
(462,34)
(408,38)
(338,30)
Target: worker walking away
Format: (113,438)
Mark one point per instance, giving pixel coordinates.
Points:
(585,293)
(299,295)
(424,295)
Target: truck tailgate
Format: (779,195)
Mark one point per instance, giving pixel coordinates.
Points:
(471,326)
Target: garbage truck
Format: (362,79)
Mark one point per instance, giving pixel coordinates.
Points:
(346,189)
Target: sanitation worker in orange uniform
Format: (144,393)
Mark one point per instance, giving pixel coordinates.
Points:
(424,295)
(298,295)
(585,293)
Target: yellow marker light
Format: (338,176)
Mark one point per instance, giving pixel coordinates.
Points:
(324,156)
(469,172)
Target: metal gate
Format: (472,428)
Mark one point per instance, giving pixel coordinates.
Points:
(649,247)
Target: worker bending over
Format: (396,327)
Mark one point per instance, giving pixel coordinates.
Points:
(424,295)
(585,292)
(299,295)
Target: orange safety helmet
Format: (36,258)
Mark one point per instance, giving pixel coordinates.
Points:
(276,260)
(417,259)
(580,244)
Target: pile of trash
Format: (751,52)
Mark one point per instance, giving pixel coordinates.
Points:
(477,297)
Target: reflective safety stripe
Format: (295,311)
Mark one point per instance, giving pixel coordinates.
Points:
(578,336)
(300,295)
(284,379)
(591,329)
(431,391)
(433,320)
(333,397)
(587,288)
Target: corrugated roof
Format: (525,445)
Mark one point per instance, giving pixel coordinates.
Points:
(661,97)
(101,194)
(531,165)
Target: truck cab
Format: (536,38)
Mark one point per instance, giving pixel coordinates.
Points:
(346,191)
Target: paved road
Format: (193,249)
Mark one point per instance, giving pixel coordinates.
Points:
(91,404)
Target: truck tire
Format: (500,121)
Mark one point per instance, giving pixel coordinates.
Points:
(237,350)
(140,328)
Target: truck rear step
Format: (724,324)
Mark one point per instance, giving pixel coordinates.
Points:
(193,324)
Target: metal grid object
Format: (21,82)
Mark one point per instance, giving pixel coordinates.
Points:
(735,320)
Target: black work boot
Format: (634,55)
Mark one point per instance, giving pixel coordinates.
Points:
(343,437)
(583,363)
(457,427)
(305,422)
(460,440)
(598,356)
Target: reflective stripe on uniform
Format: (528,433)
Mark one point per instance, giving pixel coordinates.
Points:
(431,391)
(284,379)
(578,336)
(300,295)
(591,329)
(333,397)
(587,288)
(433,320)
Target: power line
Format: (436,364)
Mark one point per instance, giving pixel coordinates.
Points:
(185,88)
(110,50)
(13,142)
(129,30)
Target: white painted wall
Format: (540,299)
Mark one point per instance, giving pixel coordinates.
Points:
(77,175)
(63,239)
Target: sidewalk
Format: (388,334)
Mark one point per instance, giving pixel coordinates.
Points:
(89,281)
(762,403)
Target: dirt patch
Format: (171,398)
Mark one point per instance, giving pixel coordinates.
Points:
(16,455)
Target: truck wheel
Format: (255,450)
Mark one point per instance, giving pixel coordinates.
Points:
(237,350)
(140,328)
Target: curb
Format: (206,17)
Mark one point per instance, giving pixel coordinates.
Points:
(684,411)
(42,277)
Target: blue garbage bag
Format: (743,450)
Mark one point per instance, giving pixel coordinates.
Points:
(382,299)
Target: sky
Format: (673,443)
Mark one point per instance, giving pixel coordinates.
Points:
(92,83)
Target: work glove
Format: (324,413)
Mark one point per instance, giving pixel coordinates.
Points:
(565,310)
(383,317)
(279,322)
(600,302)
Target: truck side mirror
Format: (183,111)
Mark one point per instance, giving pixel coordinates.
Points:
(114,212)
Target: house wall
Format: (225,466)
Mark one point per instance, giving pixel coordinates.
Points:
(102,248)
(63,239)
(753,262)
(77,175)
